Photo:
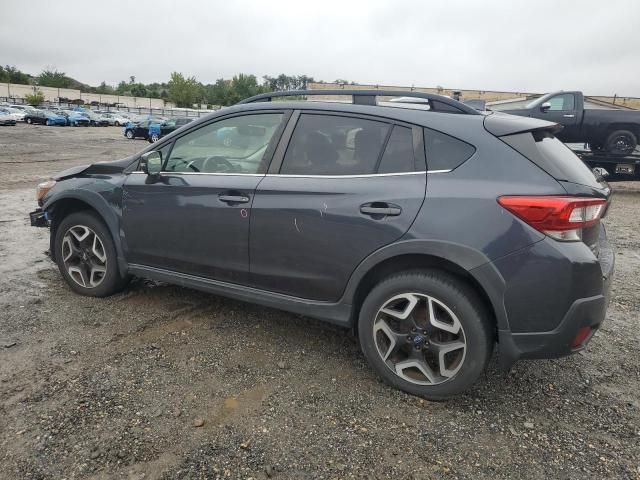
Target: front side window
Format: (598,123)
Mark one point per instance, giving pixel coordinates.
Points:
(334,145)
(232,145)
(562,103)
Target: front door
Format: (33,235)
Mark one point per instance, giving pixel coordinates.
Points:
(194,218)
(346,187)
(563,110)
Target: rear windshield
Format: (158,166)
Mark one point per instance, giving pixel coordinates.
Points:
(553,156)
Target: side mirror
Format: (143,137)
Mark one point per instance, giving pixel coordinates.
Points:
(151,162)
(545,107)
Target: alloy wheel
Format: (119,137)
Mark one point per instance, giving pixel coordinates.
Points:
(420,339)
(84,256)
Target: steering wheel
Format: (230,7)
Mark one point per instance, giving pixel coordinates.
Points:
(188,164)
(218,161)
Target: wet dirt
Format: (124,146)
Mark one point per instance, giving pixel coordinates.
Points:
(162,382)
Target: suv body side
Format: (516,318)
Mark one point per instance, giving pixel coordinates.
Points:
(458,224)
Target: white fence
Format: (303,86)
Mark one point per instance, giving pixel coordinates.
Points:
(12,90)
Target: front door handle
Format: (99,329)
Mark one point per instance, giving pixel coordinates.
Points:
(380,209)
(569,115)
(233,198)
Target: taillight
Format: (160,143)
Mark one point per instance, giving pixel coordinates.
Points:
(562,218)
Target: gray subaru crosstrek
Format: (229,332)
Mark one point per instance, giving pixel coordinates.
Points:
(432,230)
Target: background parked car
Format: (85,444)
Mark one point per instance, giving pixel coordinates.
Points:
(6,118)
(22,108)
(73,118)
(96,119)
(157,131)
(139,129)
(609,130)
(17,115)
(115,118)
(44,118)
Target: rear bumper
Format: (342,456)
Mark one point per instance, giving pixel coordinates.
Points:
(589,311)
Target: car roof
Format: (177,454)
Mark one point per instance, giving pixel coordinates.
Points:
(451,123)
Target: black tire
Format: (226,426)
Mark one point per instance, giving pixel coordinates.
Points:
(476,328)
(29,121)
(112,281)
(116,123)
(621,142)
(129,134)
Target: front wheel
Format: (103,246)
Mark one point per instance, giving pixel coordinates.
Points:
(86,255)
(129,134)
(48,123)
(154,138)
(426,333)
(621,142)
(29,121)
(116,123)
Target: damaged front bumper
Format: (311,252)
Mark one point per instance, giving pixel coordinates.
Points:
(39,218)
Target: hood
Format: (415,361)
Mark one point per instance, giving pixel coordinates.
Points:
(104,168)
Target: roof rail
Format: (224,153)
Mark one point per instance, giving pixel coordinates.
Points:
(437,103)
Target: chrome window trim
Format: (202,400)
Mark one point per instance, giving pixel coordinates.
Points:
(284,175)
(206,173)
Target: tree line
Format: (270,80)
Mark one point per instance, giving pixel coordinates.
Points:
(182,90)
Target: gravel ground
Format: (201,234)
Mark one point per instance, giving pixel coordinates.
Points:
(162,382)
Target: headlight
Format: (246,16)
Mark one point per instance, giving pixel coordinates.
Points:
(43,188)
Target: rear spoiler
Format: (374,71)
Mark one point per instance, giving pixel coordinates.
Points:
(501,124)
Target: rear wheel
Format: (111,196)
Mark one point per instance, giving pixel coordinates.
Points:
(116,123)
(48,122)
(86,255)
(154,138)
(621,142)
(29,121)
(426,333)
(129,134)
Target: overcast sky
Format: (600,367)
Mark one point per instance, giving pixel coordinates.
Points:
(534,45)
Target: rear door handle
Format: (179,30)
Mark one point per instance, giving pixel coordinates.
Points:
(380,208)
(233,198)
(568,115)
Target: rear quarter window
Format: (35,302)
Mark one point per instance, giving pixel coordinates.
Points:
(552,156)
(445,152)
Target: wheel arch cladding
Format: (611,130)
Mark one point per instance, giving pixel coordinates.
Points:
(415,262)
(71,201)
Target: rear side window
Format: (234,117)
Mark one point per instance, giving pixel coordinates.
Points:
(552,156)
(445,152)
(398,155)
(334,145)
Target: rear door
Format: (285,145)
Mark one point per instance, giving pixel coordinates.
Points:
(340,187)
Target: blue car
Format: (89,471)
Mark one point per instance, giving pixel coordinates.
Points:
(54,119)
(73,118)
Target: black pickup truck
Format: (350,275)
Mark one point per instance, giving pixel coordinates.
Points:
(613,131)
